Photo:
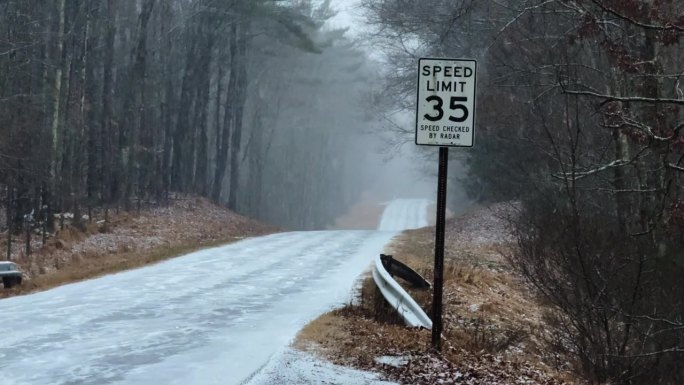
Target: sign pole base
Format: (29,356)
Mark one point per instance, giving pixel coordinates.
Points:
(439,250)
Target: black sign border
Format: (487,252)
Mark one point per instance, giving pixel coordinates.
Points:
(420,60)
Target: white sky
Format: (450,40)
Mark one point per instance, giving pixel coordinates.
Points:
(347,15)
(402,176)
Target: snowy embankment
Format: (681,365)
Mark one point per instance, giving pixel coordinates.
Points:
(496,332)
(292,366)
(128,240)
(211,317)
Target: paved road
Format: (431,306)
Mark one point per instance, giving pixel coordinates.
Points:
(403,214)
(210,317)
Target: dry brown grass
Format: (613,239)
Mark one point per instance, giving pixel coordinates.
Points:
(491,321)
(93,266)
(487,309)
(350,336)
(417,247)
(129,241)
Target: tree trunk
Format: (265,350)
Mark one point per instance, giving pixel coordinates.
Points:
(57,91)
(135,110)
(202,105)
(106,151)
(10,198)
(239,102)
(77,169)
(222,153)
(180,166)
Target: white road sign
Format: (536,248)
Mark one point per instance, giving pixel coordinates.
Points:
(446,102)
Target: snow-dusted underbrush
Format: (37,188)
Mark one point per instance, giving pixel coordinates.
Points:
(494,327)
(129,240)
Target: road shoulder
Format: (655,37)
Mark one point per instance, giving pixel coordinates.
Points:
(129,240)
(296,367)
(494,327)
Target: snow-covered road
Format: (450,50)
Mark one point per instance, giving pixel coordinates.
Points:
(403,214)
(210,317)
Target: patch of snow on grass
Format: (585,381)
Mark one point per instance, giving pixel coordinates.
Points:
(396,361)
(294,368)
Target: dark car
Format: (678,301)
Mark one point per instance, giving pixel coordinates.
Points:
(10,274)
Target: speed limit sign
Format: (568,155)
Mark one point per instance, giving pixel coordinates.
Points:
(446,102)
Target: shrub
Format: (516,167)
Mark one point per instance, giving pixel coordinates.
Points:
(618,297)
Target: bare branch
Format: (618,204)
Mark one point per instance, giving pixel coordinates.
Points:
(514,19)
(650,354)
(634,99)
(580,175)
(666,27)
(627,122)
(675,167)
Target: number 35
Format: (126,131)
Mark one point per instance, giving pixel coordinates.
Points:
(454,105)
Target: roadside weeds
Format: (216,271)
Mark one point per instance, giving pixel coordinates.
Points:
(494,327)
(131,241)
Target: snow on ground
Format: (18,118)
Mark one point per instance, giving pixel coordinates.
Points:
(187,220)
(211,317)
(396,361)
(403,212)
(484,225)
(495,330)
(294,367)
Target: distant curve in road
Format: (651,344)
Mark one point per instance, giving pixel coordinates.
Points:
(210,317)
(404,214)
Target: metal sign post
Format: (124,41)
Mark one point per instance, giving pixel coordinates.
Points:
(439,249)
(446,118)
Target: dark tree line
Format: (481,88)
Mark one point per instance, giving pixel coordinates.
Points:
(107,104)
(580,120)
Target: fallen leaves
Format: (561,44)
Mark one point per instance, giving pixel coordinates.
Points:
(494,332)
(131,240)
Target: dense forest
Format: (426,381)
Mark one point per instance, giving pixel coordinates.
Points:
(261,106)
(106,105)
(580,121)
